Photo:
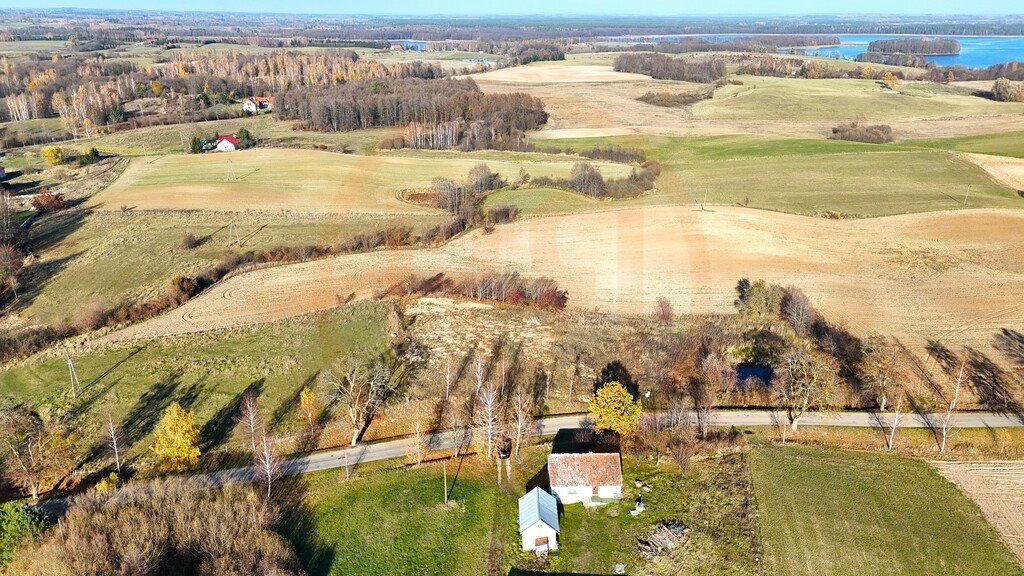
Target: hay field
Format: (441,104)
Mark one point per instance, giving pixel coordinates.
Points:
(302,180)
(997,487)
(944,276)
(558,73)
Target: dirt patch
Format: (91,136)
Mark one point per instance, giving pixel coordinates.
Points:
(1009,171)
(623,261)
(997,488)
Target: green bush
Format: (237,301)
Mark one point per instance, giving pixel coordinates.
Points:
(18,522)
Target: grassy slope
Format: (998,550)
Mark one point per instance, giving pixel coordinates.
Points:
(206,372)
(824,511)
(1002,144)
(837,99)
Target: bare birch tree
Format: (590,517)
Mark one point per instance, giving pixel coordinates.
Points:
(894,424)
(267,462)
(948,418)
(115,440)
(251,418)
(522,417)
(880,370)
(480,371)
(449,377)
(488,415)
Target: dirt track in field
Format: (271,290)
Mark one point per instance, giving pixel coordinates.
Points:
(950,276)
(997,488)
(1009,171)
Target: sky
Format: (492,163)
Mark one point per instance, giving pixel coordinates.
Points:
(560,7)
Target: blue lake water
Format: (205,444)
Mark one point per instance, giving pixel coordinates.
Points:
(975,51)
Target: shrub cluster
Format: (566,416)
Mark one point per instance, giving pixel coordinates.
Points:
(876,134)
(586,179)
(673,100)
(1008,90)
(164,527)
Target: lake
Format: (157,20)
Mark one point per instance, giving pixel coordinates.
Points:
(975,51)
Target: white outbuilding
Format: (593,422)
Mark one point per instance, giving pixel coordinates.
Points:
(538,521)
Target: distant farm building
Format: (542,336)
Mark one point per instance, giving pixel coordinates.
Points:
(585,467)
(258,103)
(227,143)
(538,521)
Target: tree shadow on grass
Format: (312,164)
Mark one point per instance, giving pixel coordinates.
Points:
(298,524)
(216,430)
(288,404)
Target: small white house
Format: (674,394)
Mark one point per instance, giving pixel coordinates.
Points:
(585,477)
(257,103)
(538,521)
(227,143)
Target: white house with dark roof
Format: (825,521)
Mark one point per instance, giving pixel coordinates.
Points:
(538,521)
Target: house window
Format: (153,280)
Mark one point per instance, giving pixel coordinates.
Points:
(572,490)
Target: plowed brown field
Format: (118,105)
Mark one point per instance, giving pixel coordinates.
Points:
(998,489)
(950,276)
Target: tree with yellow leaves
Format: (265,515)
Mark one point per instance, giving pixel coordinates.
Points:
(890,80)
(613,408)
(177,439)
(309,404)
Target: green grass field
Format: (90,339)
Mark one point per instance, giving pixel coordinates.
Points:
(792,175)
(827,511)
(1002,144)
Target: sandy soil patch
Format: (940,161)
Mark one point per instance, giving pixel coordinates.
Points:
(998,489)
(947,276)
(546,73)
(1009,171)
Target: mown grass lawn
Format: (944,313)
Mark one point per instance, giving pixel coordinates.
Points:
(394,522)
(828,511)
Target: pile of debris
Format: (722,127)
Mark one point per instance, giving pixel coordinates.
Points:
(665,535)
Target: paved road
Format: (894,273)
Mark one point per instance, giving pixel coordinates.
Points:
(388,449)
(370,452)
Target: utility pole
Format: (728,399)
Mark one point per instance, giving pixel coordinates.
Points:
(74,377)
(233,237)
(444,467)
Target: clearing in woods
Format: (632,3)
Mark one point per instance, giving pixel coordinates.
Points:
(940,275)
(829,511)
(305,180)
(997,487)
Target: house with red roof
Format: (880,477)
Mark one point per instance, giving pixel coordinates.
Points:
(227,143)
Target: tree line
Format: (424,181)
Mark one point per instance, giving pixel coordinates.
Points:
(741,44)
(662,67)
(439,114)
(917,46)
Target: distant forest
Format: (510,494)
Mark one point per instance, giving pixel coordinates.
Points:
(98,25)
(439,114)
(741,44)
